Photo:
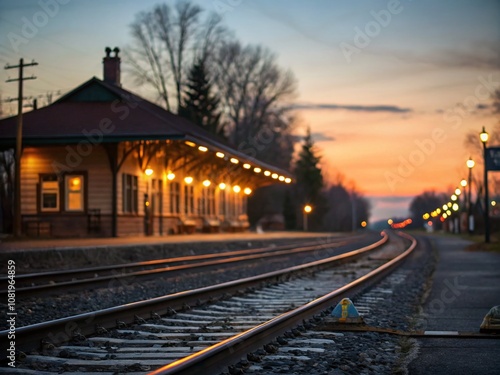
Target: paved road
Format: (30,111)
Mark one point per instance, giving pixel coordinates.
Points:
(465,286)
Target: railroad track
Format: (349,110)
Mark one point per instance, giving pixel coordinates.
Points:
(49,283)
(191,339)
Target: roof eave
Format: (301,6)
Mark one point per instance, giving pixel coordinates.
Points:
(240,156)
(28,141)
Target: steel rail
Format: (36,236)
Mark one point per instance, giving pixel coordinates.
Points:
(108,280)
(89,272)
(216,358)
(64,329)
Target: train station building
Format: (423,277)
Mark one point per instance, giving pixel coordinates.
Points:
(102,161)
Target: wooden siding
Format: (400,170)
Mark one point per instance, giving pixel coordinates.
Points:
(67,225)
(130,226)
(52,160)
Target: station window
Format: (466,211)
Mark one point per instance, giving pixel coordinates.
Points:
(235,207)
(244,205)
(175,197)
(222,202)
(66,193)
(188,199)
(74,188)
(157,198)
(207,201)
(49,193)
(130,193)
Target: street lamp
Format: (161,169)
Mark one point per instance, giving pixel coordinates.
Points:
(484,138)
(470,164)
(307,210)
(455,219)
(463,184)
(463,213)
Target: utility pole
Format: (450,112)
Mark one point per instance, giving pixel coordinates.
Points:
(19,142)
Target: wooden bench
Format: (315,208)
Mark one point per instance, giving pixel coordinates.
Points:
(187,226)
(37,228)
(211,225)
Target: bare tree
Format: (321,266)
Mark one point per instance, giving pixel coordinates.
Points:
(472,138)
(147,58)
(166,42)
(252,87)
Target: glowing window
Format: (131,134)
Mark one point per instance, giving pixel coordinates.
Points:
(74,192)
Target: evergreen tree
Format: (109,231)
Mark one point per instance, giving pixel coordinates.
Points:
(310,183)
(199,105)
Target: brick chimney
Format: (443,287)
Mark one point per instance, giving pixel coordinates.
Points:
(111,65)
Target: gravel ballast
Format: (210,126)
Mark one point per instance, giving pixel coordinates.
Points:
(394,303)
(130,289)
(312,349)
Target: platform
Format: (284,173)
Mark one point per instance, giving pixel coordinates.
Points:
(466,284)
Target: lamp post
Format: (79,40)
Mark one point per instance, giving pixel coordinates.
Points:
(458,192)
(463,214)
(307,210)
(454,221)
(463,184)
(470,164)
(484,138)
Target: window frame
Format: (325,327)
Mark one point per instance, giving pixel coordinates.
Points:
(62,193)
(40,194)
(130,194)
(189,199)
(157,196)
(67,192)
(223,202)
(174,196)
(207,201)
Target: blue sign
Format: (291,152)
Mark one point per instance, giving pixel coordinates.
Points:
(493,158)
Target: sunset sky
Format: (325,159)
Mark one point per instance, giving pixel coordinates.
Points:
(389,88)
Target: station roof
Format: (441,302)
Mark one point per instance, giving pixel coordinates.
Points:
(98,110)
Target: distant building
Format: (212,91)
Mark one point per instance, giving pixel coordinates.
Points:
(103,161)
